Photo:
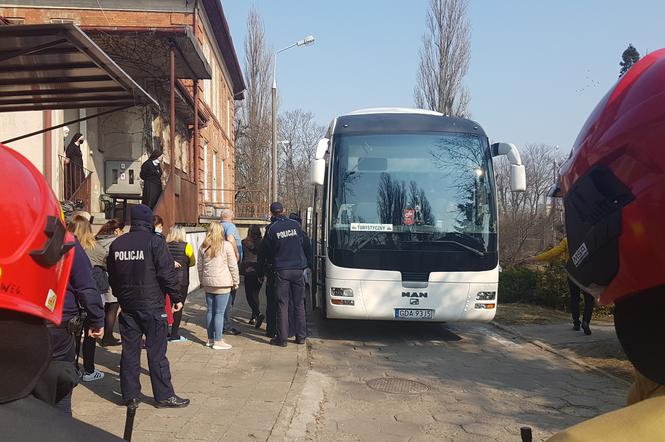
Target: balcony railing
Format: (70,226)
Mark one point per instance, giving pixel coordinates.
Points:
(246,203)
(75,182)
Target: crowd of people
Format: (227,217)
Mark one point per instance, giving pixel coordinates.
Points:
(139,280)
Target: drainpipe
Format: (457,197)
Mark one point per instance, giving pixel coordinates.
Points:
(172,109)
(48,148)
(195,175)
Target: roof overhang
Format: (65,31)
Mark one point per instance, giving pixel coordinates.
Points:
(223,35)
(145,52)
(57,66)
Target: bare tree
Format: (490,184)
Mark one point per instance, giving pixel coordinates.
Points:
(302,133)
(526,218)
(444,59)
(253,119)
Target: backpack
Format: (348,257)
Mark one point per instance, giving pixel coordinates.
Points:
(101,279)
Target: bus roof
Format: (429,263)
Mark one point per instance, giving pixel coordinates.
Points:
(396,119)
(394,110)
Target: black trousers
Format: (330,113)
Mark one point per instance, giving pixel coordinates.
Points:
(64,349)
(290,293)
(177,319)
(271,305)
(86,349)
(152,324)
(575,293)
(252,289)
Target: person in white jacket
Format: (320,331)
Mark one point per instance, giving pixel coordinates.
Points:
(218,272)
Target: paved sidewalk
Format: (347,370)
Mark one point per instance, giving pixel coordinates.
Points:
(562,334)
(599,351)
(240,394)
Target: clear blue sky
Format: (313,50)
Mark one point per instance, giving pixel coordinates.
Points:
(537,68)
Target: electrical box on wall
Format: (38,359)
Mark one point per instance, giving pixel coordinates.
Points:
(122,177)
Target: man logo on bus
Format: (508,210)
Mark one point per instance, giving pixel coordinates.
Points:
(414,294)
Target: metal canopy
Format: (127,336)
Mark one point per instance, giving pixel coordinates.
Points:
(56,66)
(144,52)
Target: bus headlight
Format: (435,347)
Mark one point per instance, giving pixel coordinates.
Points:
(485,296)
(346,293)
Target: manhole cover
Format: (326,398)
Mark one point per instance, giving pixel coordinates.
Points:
(397,385)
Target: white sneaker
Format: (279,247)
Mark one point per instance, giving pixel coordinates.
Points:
(221,345)
(94,376)
(210,343)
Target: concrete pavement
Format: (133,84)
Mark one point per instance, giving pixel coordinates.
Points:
(239,394)
(356,380)
(479,384)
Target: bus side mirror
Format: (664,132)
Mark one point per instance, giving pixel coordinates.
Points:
(517,178)
(317,172)
(517,170)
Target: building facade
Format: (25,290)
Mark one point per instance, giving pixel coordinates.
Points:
(140,36)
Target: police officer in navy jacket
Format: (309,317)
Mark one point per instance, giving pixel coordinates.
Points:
(141,270)
(287,252)
(82,295)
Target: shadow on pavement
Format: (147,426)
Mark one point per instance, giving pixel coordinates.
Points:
(385,331)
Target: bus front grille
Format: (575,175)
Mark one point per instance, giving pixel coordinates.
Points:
(415,276)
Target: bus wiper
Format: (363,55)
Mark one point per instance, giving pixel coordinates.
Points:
(450,241)
(464,246)
(466,238)
(362,243)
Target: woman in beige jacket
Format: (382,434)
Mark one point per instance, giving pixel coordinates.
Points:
(218,272)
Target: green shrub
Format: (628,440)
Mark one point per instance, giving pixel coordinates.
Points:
(547,287)
(516,284)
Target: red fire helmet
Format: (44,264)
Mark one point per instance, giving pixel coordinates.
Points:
(614,188)
(35,248)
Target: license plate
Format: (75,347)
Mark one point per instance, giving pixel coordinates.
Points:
(413,313)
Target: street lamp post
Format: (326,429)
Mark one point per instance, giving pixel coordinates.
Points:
(304,42)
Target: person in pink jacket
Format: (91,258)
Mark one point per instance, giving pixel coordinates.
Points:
(218,272)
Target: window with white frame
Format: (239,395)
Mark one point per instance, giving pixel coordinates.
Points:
(222,181)
(228,116)
(206,186)
(207,84)
(215,187)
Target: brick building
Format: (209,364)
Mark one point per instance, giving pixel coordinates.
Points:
(143,37)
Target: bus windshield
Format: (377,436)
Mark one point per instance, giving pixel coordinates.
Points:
(412,192)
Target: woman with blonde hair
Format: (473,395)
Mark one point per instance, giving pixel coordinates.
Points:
(183,254)
(81,228)
(218,272)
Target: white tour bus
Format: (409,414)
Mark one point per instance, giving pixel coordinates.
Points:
(404,219)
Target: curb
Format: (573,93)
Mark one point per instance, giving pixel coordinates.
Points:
(560,353)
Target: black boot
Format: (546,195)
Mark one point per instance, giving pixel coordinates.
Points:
(576,325)
(585,327)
